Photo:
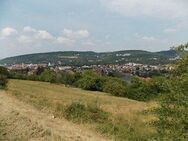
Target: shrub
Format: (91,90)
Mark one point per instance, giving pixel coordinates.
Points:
(78,112)
(3,81)
(48,76)
(16,75)
(3,77)
(70,79)
(115,86)
(33,77)
(136,89)
(158,85)
(172,112)
(144,90)
(94,83)
(4,71)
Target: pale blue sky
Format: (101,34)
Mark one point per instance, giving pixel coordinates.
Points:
(31,26)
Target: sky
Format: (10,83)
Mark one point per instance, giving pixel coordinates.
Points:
(32,26)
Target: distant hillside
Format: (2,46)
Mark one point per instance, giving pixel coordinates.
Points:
(92,58)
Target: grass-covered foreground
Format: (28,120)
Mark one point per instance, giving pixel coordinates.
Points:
(114,117)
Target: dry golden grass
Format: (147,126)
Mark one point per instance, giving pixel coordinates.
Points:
(66,95)
(50,95)
(20,121)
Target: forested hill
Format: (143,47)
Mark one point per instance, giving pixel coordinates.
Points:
(91,58)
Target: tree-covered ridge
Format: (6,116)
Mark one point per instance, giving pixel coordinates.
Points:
(92,58)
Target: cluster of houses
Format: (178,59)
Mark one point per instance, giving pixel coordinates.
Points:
(129,68)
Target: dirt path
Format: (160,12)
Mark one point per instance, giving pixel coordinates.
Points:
(20,121)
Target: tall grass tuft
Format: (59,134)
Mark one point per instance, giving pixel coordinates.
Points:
(82,113)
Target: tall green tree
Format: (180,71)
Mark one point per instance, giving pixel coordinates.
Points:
(173,112)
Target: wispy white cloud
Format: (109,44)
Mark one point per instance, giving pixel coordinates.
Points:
(65,41)
(170,30)
(28,29)
(70,37)
(25,39)
(30,35)
(147,39)
(163,9)
(171,11)
(43,35)
(8,31)
(149,42)
(89,43)
(79,34)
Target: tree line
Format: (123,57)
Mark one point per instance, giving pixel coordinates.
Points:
(137,88)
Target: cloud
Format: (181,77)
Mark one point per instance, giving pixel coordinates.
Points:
(163,9)
(149,38)
(89,43)
(70,37)
(107,36)
(174,12)
(30,35)
(65,41)
(25,39)
(28,29)
(79,34)
(43,35)
(149,42)
(8,31)
(145,38)
(170,30)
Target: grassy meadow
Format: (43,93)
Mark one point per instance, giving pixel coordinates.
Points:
(114,117)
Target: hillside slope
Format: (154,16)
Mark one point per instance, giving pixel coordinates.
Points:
(20,121)
(41,105)
(93,58)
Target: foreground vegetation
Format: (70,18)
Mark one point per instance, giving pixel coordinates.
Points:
(117,118)
(173,110)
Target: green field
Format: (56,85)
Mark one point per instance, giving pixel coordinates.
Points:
(128,116)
